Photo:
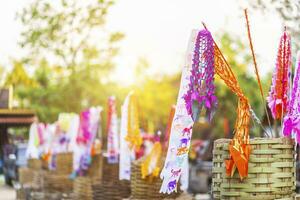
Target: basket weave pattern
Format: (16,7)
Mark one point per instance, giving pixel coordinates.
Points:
(146,188)
(54,182)
(26,176)
(64,163)
(83,188)
(35,164)
(271,171)
(110,186)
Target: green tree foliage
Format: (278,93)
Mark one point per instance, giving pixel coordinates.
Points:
(156,96)
(65,31)
(71,53)
(288,11)
(18,76)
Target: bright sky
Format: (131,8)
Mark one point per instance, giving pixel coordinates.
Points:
(158,30)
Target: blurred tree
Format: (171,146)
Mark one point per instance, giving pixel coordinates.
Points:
(65,32)
(71,53)
(156,96)
(288,10)
(72,71)
(18,76)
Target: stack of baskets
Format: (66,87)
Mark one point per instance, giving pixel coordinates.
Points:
(83,186)
(26,178)
(149,188)
(54,182)
(64,163)
(95,170)
(58,180)
(110,190)
(110,186)
(271,171)
(34,164)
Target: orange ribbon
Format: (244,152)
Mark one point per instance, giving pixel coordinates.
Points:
(239,147)
(133,135)
(151,164)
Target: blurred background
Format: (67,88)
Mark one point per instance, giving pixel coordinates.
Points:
(67,55)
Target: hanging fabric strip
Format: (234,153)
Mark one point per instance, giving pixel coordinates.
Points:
(133,136)
(201,92)
(239,147)
(279,92)
(69,126)
(291,123)
(150,166)
(48,146)
(33,142)
(181,129)
(112,129)
(126,155)
(89,126)
(72,132)
(184,178)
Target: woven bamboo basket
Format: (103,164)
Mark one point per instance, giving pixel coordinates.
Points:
(38,179)
(147,188)
(35,164)
(110,172)
(110,186)
(54,182)
(64,163)
(271,172)
(23,193)
(110,190)
(45,164)
(26,176)
(95,170)
(83,188)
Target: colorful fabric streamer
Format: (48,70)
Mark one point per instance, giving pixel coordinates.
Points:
(133,136)
(69,126)
(291,123)
(126,154)
(201,92)
(239,147)
(192,97)
(88,128)
(48,144)
(150,166)
(196,92)
(181,130)
(279,93)
(36,140)
(112,129)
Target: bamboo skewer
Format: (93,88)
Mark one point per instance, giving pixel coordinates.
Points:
(256,70)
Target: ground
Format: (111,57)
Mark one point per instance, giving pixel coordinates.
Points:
(6,193)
